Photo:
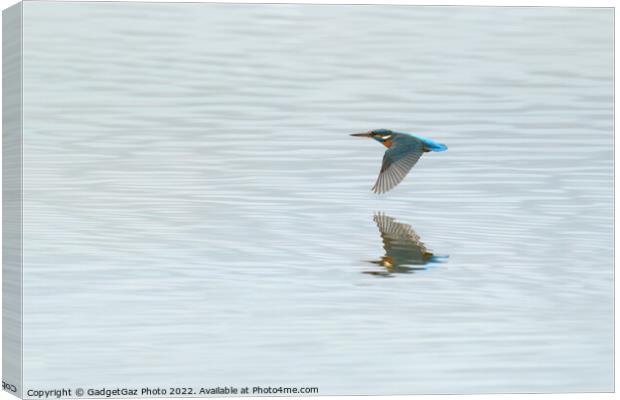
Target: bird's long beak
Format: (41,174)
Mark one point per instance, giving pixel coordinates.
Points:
(365,134)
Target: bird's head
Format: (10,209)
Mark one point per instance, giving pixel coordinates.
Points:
(383,136)
(380,135)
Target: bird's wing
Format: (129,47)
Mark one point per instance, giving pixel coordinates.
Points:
(400,241)
(397,162)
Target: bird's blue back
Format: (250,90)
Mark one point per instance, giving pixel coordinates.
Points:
(431,144)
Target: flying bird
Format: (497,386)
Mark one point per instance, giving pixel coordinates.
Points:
(403,152)
(403,248)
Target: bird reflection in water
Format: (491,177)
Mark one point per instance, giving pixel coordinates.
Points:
(404,252)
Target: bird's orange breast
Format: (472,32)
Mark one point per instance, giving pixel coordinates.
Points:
(387,143)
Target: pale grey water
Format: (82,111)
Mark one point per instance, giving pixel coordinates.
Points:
(195,213)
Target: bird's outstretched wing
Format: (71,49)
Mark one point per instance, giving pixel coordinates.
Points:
(397,162)
(400,242)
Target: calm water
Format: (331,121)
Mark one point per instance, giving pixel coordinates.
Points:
(196,213)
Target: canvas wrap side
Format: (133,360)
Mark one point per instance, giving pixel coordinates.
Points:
(12,199)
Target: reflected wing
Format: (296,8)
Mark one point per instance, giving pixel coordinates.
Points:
(400,241)
(397,162)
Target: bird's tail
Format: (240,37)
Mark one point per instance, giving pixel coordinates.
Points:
(433,145)
(439,147)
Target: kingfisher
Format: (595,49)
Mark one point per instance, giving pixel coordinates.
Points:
(403,152)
